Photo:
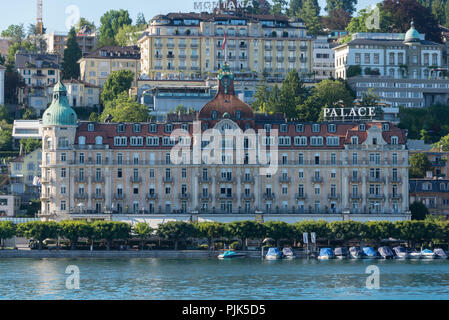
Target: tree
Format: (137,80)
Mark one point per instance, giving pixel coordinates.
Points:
(419,211)
(111,230)
(258,7)
(38,230)
(111,22)
(337,19)
(279,7)
(125,109)
(210,231)
(73,230)
(345,230)
(295,8)
(347,5)
(127,35)
(94,117)
(144,231)
(175,231)
(72,54)
(320,227)
(310,15)
(15,32)
(278,230)
(83,22)
(29,145)
(438,11)
(244,230)
(7,231)
(29,114)
(402,12)
(419,165)
(377,230)
(117,82)
(291,94)
(443,144)
(5,136)
(261,96)
(141,22)
(354,71)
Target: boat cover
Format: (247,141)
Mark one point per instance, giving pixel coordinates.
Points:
(386,251)
(354,250)
(287,252)
(440,252)
(399,250)
(326,252)
(341,251)
(426,251)
(369,251)
(229,253)
(273,252)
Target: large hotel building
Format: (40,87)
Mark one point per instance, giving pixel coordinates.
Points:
(325,170)
(190,45)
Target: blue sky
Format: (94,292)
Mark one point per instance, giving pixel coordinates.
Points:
(55,16)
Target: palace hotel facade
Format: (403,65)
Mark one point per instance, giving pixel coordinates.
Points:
(329,169)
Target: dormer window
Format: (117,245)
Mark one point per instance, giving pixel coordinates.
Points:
(299,128)
(385,127)
(394,140)
(238,115)
(136,127)
(267,127)
(331,127)
(284,128)
(152,127)
(362,127)
(120,127)
(81,140)
(185,126)
(214,115)
(316,127)
(354,140)
(168,128)
(99,140)
(90,127)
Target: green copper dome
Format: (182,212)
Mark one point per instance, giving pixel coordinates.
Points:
(59,113)
(412,34)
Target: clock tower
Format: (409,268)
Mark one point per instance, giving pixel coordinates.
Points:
(226,80)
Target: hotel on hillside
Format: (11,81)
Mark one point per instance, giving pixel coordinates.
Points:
(126,171)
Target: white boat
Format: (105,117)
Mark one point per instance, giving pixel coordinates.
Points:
(440,254)
(415,255)
(401,253)
(287,253)
(355,253)
(340,253)
(231,255)
(385,252)
(326,254)
(428,254)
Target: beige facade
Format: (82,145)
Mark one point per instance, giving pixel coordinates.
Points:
(190,46)
(98,65)
(57,42)
(9,205)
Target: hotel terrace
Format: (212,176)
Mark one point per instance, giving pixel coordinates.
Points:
(323,170)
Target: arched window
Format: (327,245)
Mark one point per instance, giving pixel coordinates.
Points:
(81,140)
(99,140)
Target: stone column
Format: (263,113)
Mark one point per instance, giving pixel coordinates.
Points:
(405,191)
(386,186)
(345,191)
(108,172)
(257,193)
(214,188)
(89,190)
(195,188)
(364,190)
(239,188)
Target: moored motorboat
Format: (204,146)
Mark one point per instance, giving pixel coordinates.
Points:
(415,255)
(341,253)
(355,253)
(326,253)
(386,252)
(440,254)
(400,253)
(273,254)
(369,253)
(287,253)
(428,254)
(231,255)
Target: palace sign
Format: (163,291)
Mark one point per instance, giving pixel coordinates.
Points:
(349,113)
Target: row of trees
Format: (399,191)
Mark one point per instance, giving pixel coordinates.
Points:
(176,231)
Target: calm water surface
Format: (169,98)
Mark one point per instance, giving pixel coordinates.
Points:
(228,279)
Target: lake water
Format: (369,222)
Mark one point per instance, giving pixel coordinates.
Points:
(228,279)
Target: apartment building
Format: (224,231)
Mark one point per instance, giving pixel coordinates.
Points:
(323,58)
(37,71)
(403,69)
(96,66)
(433,193)
(191,46)
(57,41)
(23,172)
(317,171)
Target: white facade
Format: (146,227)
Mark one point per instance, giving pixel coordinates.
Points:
(323,59)
(2,85)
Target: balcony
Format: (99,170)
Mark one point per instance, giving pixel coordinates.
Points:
(243,46)
(333,196)
(395,196)
(226,196)
(269,196)
(268,59)
(158,45)
(249,196)
(243,58)
(303,48)
(81,196)
(194,57)
(119,196)
(170,45)
(98,196)
(205,179)
(220,57)
(227,179)
(376,196)
(204,196)
(303,59)
(292,48)
(396,180)
(280,48)
(317,179)
(280,59)
(170,56)
(355,196)
(182,45)
(151,196)
(231,46)
(158,57)
(291,59)
(193,45)
(79,179)
(268,47)
(135,179)
(300,196)
(376,179)
(46,197)
(285,179)
(184,196)
(356,179)
(168,179)
(247,179)
(182,56)
(99,179)
(231,58)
